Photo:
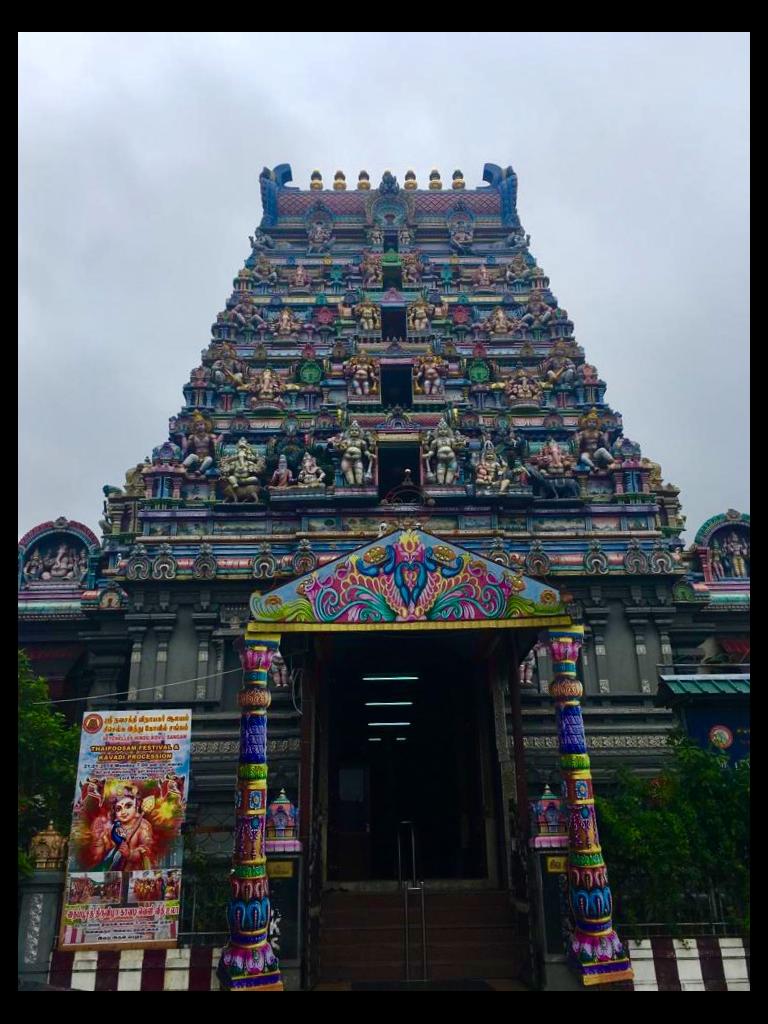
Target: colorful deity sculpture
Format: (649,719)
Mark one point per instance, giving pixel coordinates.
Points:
(418,315)
(240,473)
(412,268)
(266,386)
(593,443)
(372,270)
(319,237)
(357,455)
(288,323)
(440,454)
(245,314)
(499,323)
(522,387)
(310,474)
(300,278)
(199,445)
(517,269)
(263,271)
(538,313)
(430,372)
(491,473)
(282,476)
(558,369)
(482,279)
(361,372)
(369,315)
(462,233)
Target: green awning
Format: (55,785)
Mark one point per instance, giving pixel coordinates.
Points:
(706,686)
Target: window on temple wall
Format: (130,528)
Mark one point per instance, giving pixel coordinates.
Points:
(398,465)
(393,324)
(397,386)
(391,240)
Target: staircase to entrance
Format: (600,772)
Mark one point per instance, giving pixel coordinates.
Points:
(468,935)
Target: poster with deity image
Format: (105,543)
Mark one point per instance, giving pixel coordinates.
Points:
(123,883)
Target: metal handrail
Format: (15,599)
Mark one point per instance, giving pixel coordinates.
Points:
(413,886)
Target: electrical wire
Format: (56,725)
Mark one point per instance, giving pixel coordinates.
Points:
(143,689)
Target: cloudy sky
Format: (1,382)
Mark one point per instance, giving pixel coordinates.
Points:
(139,163)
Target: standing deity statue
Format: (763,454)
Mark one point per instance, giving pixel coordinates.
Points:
(429,374)
(360,371)
(240,473)
(716,560)
(737,551)
(405,237)
(282,477)
(357,455)
(310,474)
(412,268)
(370,267)
(492,473)
(419,313)
(369,315)
(199,445)
(593,443)
(440,454)
(376,235)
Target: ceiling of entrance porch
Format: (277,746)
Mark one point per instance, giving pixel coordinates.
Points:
(410,579)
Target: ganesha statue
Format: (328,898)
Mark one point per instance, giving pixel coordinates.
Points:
(240,473)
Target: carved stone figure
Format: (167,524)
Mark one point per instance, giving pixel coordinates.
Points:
(310,474)
(430,373)
(267,386)
(405,237)
(319,237)
(376,235)
(134,481)
(537,313)
(593,443)
(517,269)
(419,313)
(240,473)
(482,279)
(558,368)
(357,455)
(587,374)
(522,387)
(462,234)
(288,323)
(440,454)
(199,445)
(263,272)
(371,270)
(245,314)
(552,458)
(369,315)
(260,240)
(33,568)
(499,323)
(491,472)
(360,371)
(412,268)
(300,279)
(282,477)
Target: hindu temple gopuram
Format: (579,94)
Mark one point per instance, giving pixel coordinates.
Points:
(396,518)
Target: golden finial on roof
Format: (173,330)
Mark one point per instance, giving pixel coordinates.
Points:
(434,180)
(410,180)
(339,181)
(315,180)
(458,180)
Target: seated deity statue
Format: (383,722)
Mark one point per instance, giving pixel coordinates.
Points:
(260,240)
(517,269)
(310,474)
(199,445)
(288,323)
(33,569)
(559,369)
(282,477)
(263,272)
(319,237)
(522,387)
(240,473)
(499,323)
(481,278)
(593,444)
(461,236)
(266,386)
(492,470)
(537,313)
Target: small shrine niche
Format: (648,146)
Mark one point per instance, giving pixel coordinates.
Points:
(729,553)
(57,558)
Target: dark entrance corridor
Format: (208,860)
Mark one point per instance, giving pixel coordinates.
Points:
(404,716)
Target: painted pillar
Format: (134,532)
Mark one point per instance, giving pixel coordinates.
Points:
(595,950)
(247,961)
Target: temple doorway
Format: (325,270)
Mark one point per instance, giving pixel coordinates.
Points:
(408,740)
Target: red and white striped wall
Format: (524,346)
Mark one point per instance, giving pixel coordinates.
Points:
(137,970)
(705,964)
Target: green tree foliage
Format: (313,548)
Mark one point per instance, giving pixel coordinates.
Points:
(677,846)
(48,750)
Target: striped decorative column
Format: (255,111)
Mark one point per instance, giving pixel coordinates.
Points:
(247,961)
(595,949)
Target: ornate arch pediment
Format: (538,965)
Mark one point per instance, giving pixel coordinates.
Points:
(409,579)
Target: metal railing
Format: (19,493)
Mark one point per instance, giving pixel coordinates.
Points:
(408,886)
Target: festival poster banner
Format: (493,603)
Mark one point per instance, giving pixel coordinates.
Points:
(123,884)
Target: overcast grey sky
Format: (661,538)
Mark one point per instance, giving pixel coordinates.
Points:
(139,163)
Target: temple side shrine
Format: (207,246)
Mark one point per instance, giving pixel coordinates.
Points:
(396,519)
